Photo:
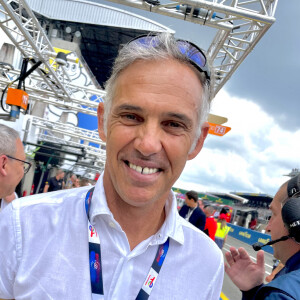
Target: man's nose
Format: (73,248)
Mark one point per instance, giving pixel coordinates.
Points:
(268,227)
(148,139)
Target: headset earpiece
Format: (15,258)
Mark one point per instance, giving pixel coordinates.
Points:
(291,217)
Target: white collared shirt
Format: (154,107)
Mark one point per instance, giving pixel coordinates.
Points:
(44,252)
(4,203)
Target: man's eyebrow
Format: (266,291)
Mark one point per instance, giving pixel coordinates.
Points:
(128,107)
(182,117)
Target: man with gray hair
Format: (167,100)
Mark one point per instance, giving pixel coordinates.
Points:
(12,163)
(154,120)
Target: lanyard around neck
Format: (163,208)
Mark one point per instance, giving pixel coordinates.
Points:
(96,266)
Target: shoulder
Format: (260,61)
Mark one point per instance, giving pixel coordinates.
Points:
(211,221)
(51,179)
(202,243)
(183,209)
(287,284)
(199,211)
(50,199)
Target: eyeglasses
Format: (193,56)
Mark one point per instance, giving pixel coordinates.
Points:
(194,54)
(26,166)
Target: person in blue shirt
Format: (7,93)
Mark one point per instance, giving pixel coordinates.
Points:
(191,210)
(248,276)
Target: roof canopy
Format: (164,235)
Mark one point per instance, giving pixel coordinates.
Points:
(98,29)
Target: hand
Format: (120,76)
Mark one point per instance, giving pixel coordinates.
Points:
(243,272)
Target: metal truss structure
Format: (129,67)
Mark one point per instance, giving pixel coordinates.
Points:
(22,27)
(240,24)
(71,136)
(79,101)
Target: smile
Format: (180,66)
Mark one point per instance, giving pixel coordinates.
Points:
(141,170)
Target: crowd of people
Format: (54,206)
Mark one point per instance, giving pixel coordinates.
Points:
(153,121)
(202,217)
(57,182)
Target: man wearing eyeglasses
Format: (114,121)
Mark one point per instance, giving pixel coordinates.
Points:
(124,238)
(12,163)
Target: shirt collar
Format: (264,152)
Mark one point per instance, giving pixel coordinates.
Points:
(172,227)
(293,262)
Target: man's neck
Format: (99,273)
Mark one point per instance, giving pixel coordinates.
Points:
(291,248)
(139,223)
(193,205)
(134,223)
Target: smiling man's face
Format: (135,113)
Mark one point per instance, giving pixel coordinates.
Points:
(150,130)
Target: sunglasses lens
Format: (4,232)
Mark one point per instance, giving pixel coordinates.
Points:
(192,53)
(147,41)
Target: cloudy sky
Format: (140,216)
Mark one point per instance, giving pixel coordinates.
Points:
(262,104)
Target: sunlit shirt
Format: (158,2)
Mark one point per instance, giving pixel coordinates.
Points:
(44,252)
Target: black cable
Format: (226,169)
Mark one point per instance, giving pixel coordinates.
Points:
(152,2)
(2,98)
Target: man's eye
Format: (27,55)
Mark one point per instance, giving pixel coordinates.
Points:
(173,124)
(130,117)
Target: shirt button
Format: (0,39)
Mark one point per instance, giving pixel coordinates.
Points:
(112,224)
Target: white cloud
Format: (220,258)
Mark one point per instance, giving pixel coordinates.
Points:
(252,157)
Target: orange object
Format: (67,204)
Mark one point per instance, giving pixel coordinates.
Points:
(17,97)
(217,129)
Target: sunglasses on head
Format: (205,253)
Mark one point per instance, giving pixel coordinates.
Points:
(193,53)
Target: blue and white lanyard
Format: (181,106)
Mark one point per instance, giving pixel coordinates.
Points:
(96,266)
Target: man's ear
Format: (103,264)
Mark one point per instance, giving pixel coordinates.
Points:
(200,142)
(100,114)
(3,165)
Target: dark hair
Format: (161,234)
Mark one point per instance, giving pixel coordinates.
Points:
(192,195)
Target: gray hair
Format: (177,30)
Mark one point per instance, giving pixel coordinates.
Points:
(8,138)
(166,48)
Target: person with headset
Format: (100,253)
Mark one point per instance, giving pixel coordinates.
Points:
(284,227)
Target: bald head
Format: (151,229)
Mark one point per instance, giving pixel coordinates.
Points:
(208,210)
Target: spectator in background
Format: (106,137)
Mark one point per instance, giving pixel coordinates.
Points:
(12,162)
(253,223)
(210,224)
(201,204)
(84,182)
(76,183)
(222,231)
(277,267)
(248,220)
(55,183)
(70,182)
(191,211)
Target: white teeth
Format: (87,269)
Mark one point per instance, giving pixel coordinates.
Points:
(141,170)
(132,166)
(146,170)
